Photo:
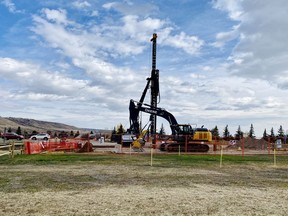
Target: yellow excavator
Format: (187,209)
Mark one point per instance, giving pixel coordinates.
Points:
(183,135)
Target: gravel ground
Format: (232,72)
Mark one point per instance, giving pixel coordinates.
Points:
(97,189)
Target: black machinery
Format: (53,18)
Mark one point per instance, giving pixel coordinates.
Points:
(183,135)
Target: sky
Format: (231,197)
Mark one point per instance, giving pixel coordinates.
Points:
(79,62)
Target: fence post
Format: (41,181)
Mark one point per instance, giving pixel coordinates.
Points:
(274,156)
(88,143)
(186,144)
(4,139)
(10,150)
(13,149)
(151,161)
(242,146)
(28,147)
(215,144)
(269,145)
(221,156)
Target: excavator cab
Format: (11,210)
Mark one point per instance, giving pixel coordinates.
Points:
(185,129)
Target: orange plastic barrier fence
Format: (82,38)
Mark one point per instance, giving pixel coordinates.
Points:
(36,147)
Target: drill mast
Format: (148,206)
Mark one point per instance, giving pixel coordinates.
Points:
(154,85)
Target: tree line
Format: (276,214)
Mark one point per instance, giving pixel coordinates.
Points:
(239,134)
(226,135)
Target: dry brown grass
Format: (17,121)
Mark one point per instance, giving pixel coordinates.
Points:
(93,188)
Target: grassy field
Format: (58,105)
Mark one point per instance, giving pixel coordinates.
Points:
(117,184)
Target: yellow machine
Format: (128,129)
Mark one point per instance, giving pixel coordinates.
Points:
(139,142)
(202,135)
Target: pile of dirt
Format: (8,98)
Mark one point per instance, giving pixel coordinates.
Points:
(249,143)
(87,147)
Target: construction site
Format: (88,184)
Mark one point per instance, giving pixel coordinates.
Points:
(188,172)
(184,138)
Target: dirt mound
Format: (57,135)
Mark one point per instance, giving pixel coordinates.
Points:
(87,147)
(249,143)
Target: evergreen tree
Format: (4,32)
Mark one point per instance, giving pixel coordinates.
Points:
(120,129)
(239,133)
(19,131)
(77,134)
(272,132)
(9,130)
(272,135)
(113,135)
(280,132)
(215,132)
(162,130)
(226,133)
(251,131)
(71,133)
(63,134)
(265,136)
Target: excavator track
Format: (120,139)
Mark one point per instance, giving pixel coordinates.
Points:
(191,147)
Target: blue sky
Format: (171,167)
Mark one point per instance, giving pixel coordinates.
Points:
(79,62)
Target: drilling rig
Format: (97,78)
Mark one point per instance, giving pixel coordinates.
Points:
(153,84)
(184,136)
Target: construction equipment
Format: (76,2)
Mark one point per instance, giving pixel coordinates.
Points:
(140,141)
(184,137)
(153,84)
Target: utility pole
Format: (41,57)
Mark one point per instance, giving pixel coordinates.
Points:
(154,86)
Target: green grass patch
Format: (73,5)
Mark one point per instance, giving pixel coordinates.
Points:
(42,159)
(163,160)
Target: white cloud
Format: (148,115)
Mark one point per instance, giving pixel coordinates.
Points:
(87,50)
(234,8)
(223,37)
(190,44)
(11,6)
(35,92)
(58,16)
(35,79)
(81,4)
(136,27)
(131,8)
(110,5)
(261,52)
(94,13)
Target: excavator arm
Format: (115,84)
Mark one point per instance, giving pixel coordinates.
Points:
(134,116)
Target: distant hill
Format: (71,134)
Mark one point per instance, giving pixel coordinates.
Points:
(32,124)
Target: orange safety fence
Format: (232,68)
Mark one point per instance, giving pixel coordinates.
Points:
(71,145)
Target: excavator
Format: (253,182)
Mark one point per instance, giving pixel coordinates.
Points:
(184,137)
